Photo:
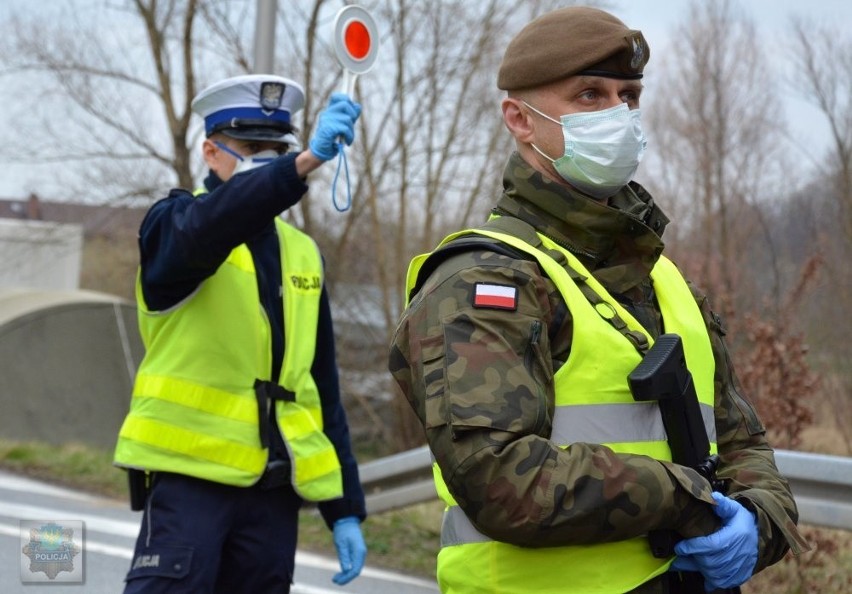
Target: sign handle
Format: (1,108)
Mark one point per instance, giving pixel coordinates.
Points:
(349,79)
(356,44)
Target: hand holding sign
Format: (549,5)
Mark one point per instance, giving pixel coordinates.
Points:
(356,46)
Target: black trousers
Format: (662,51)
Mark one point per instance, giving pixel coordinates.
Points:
(203,537)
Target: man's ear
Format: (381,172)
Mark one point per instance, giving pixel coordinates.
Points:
(518,120)
(210,152)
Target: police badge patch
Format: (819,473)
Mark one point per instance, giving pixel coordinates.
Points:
(271,94)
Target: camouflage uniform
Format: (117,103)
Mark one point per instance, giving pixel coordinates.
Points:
(481,385)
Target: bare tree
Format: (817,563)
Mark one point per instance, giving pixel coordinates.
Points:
(823,74)
(430,153)
(716,131)
(428,156)
(120,79)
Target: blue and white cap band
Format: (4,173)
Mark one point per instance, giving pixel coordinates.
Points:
(261,102)
(237,117)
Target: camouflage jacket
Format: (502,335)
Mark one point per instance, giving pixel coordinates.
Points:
(468,374)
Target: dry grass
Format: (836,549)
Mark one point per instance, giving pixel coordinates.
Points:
(827,569)
(405,540)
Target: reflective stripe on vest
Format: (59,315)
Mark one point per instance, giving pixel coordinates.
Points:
(598,408)
(605,423)
(316,473)
(194,410)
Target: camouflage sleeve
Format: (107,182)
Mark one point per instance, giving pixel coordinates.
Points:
(480,380)
(747,461)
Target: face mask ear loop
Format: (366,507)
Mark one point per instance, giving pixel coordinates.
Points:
(542,114)
(541,152)
(229,150)
(341,159)
(547,117)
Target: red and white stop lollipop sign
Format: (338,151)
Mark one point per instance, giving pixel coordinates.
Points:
(356,43)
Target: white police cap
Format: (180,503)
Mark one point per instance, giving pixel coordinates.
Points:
(251,107)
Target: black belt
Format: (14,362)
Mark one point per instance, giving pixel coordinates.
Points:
(267,392)
(277,474)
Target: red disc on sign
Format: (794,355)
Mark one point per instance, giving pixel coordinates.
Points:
(355,39)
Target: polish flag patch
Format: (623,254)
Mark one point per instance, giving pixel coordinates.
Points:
(492,296)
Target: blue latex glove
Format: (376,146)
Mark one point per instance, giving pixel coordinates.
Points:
(335,123)
(351,549)
(727,557)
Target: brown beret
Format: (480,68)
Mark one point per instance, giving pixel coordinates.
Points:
(569,41)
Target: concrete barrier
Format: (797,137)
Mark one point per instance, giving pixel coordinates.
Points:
(67,362)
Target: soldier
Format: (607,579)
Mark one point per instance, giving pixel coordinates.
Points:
(519,335)
(236,415)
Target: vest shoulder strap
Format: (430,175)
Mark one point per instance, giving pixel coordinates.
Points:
(458,246)
(525,232)
(473,242)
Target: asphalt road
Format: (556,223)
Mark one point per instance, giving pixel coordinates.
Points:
(93,542)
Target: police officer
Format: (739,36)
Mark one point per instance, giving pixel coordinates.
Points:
(236,415)
(515,348)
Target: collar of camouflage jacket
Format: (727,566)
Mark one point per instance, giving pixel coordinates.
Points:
(619,242)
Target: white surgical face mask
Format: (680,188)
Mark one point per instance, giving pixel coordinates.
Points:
(248,162)
(254,161)
(602,149)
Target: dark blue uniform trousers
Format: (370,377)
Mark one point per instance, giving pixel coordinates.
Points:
(203,537)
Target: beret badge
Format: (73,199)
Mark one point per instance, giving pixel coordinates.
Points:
(637,43)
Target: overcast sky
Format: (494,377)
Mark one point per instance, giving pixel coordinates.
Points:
(657,19)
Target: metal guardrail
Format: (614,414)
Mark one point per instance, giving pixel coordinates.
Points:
(821,484)
(399,480)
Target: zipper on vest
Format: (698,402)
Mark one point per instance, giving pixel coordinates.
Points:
(534,359)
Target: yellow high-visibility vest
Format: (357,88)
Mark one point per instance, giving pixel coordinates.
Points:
(194,409)
(593,405)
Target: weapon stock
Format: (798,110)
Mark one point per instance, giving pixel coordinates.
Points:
(663,376)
